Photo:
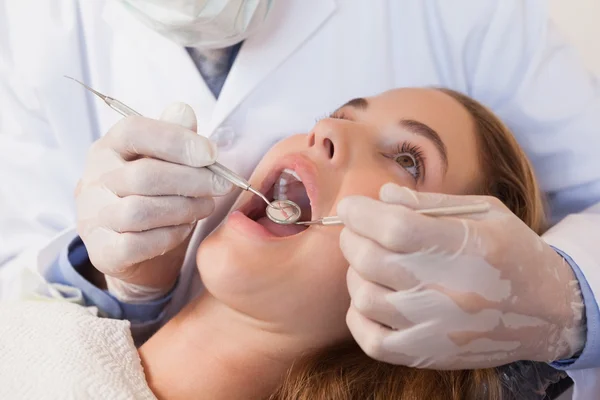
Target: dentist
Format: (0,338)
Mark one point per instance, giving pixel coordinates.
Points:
(255,71)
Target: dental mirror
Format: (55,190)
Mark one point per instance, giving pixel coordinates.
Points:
(283,212)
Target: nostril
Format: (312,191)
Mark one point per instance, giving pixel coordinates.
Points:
(311,140)
(329,146)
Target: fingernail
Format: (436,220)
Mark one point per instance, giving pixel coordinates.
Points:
(214,150)
(385,190)
(342,207)
(173,113)
(203,152)
(221,186)
(187,118)
(390,192)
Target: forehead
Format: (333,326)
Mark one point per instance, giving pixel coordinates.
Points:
(429,106)
(439,111)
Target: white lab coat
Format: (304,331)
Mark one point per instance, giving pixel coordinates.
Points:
(310,57)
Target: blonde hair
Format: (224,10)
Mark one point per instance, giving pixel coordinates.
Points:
(345,372)
(508,174)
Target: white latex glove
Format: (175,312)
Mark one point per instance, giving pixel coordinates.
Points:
(455,293)
(140,196)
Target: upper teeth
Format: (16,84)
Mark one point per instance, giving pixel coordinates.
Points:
(292,173)
(280,188)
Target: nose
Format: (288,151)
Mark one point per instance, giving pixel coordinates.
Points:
(327,139)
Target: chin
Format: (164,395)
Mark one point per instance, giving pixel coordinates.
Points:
(231,266)
(249,262)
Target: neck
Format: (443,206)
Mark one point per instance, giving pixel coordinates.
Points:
(210,351)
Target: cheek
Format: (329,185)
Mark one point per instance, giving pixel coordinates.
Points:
(368,180)
(326,272)
(299,284)
(232,268)
(323,292)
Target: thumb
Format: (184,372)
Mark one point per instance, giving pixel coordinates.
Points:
(395,194)
(180,114)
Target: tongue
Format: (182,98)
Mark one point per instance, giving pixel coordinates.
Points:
(280,230)
(296,192)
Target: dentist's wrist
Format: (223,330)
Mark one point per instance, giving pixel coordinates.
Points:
(135,294)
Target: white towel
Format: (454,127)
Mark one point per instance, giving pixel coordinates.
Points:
(59,350)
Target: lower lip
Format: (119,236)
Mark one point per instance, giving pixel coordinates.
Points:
(238,221)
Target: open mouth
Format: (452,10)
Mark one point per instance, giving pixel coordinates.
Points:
(281,184)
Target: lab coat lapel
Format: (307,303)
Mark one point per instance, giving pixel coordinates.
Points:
(289,24)
(177,78)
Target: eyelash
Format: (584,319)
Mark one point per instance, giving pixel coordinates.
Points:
(402,148)
(415,152)
(334,115)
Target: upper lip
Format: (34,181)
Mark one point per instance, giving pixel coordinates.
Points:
(306,170)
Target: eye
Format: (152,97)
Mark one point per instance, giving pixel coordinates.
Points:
(409,163)
(410,158)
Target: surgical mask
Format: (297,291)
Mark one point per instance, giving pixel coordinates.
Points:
(203,24)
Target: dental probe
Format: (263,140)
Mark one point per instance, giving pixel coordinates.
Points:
(432,212)
(216,168)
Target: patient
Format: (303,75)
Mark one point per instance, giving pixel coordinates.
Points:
(271,322)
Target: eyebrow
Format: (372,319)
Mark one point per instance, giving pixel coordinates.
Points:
(419,128)
(358,102)
(411,125)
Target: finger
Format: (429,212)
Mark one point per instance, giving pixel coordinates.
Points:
(180,114)
(374,263)
(392,193)
(371,301)
(382,343)
(368,334)
(396,194)
(151,177)
(78,188)
(100,159)
(113,252)
(398,228)
(135,136)
(142,213)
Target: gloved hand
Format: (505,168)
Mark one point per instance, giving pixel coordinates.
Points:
(455,292)
(140,196)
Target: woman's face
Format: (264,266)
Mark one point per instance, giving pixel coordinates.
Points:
(291,278)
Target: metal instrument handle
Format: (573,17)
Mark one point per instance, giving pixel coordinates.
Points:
(121,108)
(333,220)
(228,174)
(456,210)
(432,212)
